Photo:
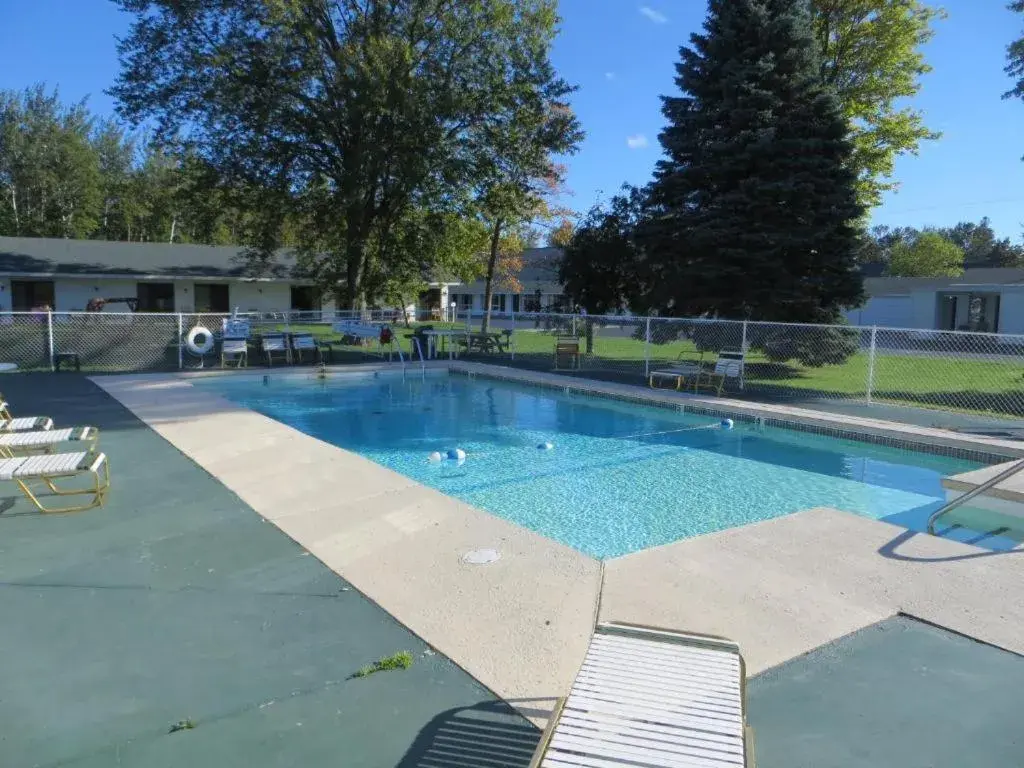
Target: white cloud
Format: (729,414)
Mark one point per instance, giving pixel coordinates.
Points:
(609,75)
(653,15)
(637,141)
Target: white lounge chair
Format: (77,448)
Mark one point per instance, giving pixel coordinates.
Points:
(654,698)
(728,366)
(12,443)
(9,423)
(234,349)
(305,342)
(234,345)
(44,469)
(677,373)
(275,343)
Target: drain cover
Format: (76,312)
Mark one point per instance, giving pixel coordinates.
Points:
(481,556)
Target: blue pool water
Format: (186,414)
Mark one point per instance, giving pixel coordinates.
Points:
(621,477)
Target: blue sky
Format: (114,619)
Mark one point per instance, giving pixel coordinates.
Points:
(621,53)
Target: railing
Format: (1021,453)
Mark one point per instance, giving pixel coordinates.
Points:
(960,500)
(978,374)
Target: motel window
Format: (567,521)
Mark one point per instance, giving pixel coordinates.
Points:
(463,301)
(31,294)
(212,297)
(498,302)
(155,297)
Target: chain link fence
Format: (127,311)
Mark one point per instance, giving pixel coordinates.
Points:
(974,373)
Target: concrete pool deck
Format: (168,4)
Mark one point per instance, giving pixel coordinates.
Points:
(781,588)
(176,601)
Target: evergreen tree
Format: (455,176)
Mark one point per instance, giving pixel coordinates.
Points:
(753,213)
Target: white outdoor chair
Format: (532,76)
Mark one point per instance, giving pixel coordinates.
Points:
(275,343)
(8,423)
(45,469)
(655,698)
(12,443)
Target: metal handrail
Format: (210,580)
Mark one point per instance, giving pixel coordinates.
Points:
(990,483)
(419,351)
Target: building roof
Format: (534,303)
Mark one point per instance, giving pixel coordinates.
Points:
(540,267)
(978,276)
(52,256)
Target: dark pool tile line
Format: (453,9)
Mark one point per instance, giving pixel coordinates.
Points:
(919,446)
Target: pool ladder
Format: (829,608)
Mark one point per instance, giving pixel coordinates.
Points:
(959,500)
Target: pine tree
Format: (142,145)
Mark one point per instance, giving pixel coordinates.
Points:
(754,210)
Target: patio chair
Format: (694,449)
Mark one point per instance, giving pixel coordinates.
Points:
(306,342)
(8,423)
(29,471)
(234,349)
(728,366)
(15,443)
(275,343)
(567,347)
(677,373)
(652,697)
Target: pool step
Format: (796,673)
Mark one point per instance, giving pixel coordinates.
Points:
(981,526)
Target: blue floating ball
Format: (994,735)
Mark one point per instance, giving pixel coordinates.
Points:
(727,424)
(545,446)
(457,454)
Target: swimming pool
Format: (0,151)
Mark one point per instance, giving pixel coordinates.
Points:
(620,477)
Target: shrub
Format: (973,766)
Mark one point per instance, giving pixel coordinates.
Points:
(813,347)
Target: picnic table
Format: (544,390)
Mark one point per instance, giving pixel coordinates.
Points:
(487,342)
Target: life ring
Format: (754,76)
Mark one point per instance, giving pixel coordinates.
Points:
(196,347)
(385,335)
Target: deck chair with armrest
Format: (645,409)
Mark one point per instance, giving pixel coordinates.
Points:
(36,474)
(275,344)
(729,366)
(651,697)
(305,342)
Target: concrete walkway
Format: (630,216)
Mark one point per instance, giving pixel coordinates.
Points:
(177,602)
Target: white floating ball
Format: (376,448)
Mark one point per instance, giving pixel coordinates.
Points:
(457,454)
(434,457)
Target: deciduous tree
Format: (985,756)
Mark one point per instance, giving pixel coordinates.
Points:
(354,111)
(872,58)
(930,254)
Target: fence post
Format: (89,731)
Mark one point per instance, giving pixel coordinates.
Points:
(871,362)
(512,336)
(49,337)
(647,349)
(743,349)
(181,331)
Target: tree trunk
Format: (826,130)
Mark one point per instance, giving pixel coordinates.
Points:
(354,274)
(14,205)
(492,261)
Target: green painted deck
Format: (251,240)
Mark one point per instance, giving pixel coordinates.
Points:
(176,601)
(898,694)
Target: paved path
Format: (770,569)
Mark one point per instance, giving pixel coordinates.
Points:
(176,601)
